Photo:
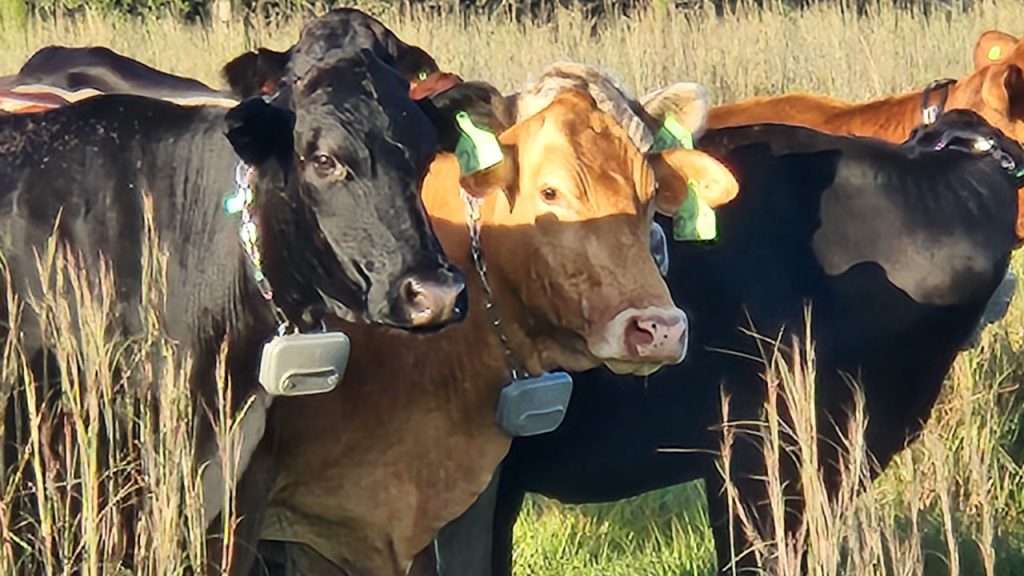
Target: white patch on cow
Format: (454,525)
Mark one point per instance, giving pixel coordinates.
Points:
(926,266)
(249,433)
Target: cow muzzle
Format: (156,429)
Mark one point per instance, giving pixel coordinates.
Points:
(639,341)
(431,301)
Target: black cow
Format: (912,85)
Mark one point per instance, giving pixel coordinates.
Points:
(897,248)
(56,75)
(336,164)
(261,71)
(71,69)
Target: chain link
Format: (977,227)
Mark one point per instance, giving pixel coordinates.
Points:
(249,236)
(516,369)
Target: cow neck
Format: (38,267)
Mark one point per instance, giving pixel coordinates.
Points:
(894,118)
(241,202)
(515,367)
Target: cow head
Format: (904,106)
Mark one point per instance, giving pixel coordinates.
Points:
(338,159)
(260,72)
(567,213)
(993,46)
(995,89)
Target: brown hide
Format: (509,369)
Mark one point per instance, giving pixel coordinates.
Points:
(994,90)
(368,473)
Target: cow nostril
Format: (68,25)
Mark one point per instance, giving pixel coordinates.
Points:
(640,333)
(433,303)
(412,290)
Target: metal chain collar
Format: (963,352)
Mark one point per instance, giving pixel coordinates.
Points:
(980,145)
(248,232)
(516,368)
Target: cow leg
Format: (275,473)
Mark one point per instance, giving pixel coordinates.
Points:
(301,560)
(509,502)
(251,498)
(732,543)
(251,428)
(727,539)
(463,546)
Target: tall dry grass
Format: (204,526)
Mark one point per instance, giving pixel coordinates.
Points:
(956,473)
(103,479)
(949,505)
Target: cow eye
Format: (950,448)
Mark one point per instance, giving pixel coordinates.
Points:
(549,194)
(326,166)
(422,75)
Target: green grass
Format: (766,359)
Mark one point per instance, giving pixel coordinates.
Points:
(663,533)
(961,481)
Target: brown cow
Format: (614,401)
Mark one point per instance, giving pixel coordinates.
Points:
(995,91)
(366,474)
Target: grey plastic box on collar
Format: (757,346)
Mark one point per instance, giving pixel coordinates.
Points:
(302,364)
(532,406)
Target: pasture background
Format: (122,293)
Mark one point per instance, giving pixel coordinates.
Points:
(958,492)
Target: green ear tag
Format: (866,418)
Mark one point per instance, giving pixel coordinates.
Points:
(477,149)
(672,135)
(694,220)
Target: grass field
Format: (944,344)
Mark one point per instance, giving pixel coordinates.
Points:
(954,504)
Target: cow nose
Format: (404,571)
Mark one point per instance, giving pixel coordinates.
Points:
(657,336)
(433,302)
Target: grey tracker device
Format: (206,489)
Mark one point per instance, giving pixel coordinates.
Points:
(532,406)
(302,364)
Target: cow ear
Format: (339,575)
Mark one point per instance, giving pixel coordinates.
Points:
(1003,90)
(690,182)
(1013,84)
(680,172)
(993,46)
(468,118)
(684,105)
(258,131)
(255,73)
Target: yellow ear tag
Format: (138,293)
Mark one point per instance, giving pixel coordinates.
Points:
(477,149)
(994,53)
(695,220)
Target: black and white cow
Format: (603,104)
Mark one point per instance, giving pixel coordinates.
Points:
(897,248)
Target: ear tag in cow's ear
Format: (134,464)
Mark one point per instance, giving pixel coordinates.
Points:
(994,53)
(477,149)
(695,220)
(303,364)
(672,135)
(531,406)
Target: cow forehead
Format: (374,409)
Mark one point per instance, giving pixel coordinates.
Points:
(366,115)
(583,152)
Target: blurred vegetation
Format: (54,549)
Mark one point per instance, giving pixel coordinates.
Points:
(14,13)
